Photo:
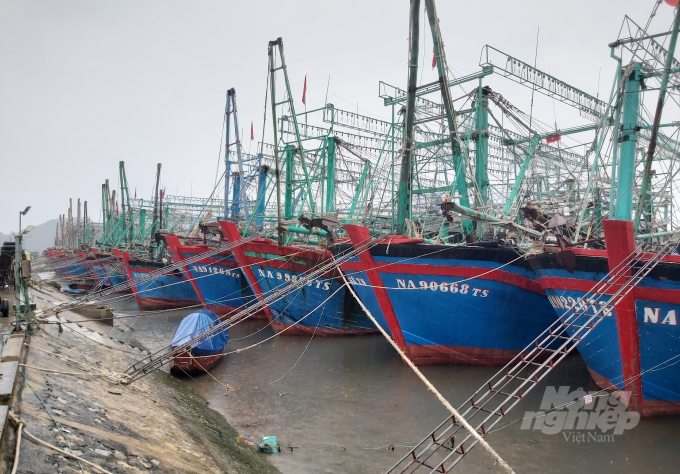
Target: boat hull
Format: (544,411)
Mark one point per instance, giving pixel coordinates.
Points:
(188,364)
(217,281)
(449,305)
(167,291)
(322,307)
(111,270)
(631,347)
(72,265)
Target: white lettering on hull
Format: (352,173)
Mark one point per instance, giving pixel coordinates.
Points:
(443,287)
(585,306)
(652,316)
(286,276)
(649,315)
(215,270)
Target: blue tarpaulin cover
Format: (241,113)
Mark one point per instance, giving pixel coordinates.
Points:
(195,324)
(72,291)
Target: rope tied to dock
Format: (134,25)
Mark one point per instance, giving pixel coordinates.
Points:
(20,425)
(17,450)
(113,377)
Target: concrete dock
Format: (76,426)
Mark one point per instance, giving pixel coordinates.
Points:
(64,389)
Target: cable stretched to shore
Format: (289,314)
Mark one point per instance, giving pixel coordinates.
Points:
(110,376)
(305,350)
(43,369)
(136,282)
(156,360)
(155,274)
(506,467)
(236,351)
(18,422)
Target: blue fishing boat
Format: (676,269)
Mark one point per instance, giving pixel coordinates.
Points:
(636,346)
(472,304)
(111,271)
(165,291)
(208,353)
(217,281)
(322,307)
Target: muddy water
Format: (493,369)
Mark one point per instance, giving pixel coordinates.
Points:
(347,399)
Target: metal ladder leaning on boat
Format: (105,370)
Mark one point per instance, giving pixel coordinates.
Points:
(440,451)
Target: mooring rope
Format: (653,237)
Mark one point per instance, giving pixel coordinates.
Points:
(432,388)
(19,422)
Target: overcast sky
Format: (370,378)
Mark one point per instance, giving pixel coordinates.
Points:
(85,84)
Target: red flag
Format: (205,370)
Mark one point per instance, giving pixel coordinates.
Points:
(162,194)
(434,58)
(304,92)
(553,139)
(252,132)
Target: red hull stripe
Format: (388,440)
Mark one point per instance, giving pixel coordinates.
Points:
(189,252)
(292,259)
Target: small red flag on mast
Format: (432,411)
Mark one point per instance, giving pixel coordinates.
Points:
(252,133)
(304,92)
(552,139)
(434,58)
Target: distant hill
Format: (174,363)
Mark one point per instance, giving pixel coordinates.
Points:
(39,238)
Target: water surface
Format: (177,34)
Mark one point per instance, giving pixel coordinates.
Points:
(349,405)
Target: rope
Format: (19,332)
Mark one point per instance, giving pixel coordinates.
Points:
(16,420)
(154,275)
(110,376)
(56,371)
(64,324)
(56,425)
(186,280)
(304,351)
(599,393)
(431,387)
(20,425)
(227,388)
(276,334)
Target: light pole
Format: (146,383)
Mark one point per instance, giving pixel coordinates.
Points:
(19,282)
(22,213)
(18,250)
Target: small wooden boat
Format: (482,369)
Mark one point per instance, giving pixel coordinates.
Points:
(204,356)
